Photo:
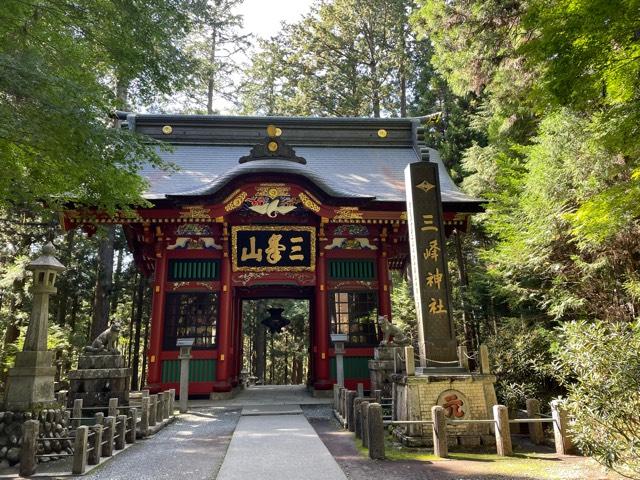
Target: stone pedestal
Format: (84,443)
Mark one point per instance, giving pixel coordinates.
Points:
(463,396)
(30,382)
(383,366)
(99,378)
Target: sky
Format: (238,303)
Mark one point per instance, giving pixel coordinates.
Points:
(263,17)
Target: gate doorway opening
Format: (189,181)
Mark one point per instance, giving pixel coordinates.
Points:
(274,353)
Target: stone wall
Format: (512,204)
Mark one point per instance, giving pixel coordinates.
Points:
(467,397)
(53,423)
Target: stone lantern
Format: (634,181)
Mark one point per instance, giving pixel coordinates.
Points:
(30,382)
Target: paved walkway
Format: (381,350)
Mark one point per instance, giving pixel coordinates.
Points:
(265,395)
(283,447)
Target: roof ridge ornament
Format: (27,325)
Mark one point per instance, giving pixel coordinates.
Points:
(273,147)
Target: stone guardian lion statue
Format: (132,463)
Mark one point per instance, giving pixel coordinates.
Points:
(389,330)
(106,343)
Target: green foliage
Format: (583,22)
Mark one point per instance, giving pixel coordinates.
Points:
(59,66)
(600,365)
(521,357)
(403,307)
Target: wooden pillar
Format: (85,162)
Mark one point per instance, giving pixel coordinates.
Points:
(384,290)
(157,318)
(321,325)
(224,330)
(237,342)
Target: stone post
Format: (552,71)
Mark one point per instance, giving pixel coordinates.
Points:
(336,393)
(132,420)
(144,417)
(440,443)
(360,389)
(121,431)
(108,433)
(536,432)
(95,445)
(351,396)
(153,404)
(159,407)
(503,433)
(28,460)
(77,413)
(99,418)
(113,407)
(172,402)
(564,445)
(409,361)
(184,382)
(463,357)
(377,394)
(364,406)
(357,416)
(340,367)
(376,432)
(166,405)
(485,366)
(80,448)
(30,382)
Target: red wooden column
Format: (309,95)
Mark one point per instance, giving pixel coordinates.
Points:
(223,370)
(384,291)
(154,376)
(321,324)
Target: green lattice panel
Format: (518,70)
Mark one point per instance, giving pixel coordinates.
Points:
(199,370)
(185,270)
(355,368)
(352,269)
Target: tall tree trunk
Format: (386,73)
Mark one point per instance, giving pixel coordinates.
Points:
(375,94)
(117,280)
(260,348)
(403,96)
(104,282)
(65,284)
(467,315)
(132,317)
(75,305)
(212,74)
(147,319)
(138,321)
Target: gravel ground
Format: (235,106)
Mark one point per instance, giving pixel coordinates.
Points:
(193,447)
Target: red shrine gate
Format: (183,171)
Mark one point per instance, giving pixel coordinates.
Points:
(241,219)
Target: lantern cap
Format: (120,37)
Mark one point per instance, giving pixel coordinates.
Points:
(46,260)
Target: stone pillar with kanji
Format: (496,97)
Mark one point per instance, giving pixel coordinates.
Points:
(443,379)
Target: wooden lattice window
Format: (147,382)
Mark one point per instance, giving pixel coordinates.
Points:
(191,315)
(355,314)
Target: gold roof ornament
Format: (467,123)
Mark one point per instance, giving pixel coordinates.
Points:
(273,131)
(167,129)
(272,146)
(382,133)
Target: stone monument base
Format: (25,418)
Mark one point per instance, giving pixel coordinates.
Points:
(383,366)
(466,396)
(99,378)
(30,382)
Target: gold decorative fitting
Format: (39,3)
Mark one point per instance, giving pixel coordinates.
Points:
(167,129)
(273,131)
(425,186)
(195,211)
(272,190)
(308,203)
(348,213)
(382,133)
(236,202)
(272,146)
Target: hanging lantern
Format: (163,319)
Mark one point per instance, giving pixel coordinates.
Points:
(275,322)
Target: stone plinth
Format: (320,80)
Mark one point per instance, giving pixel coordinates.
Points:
(463,397)
(99,378)
(382,367)
(30,382)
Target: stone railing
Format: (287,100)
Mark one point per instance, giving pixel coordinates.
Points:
(364,416)
(95,435)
